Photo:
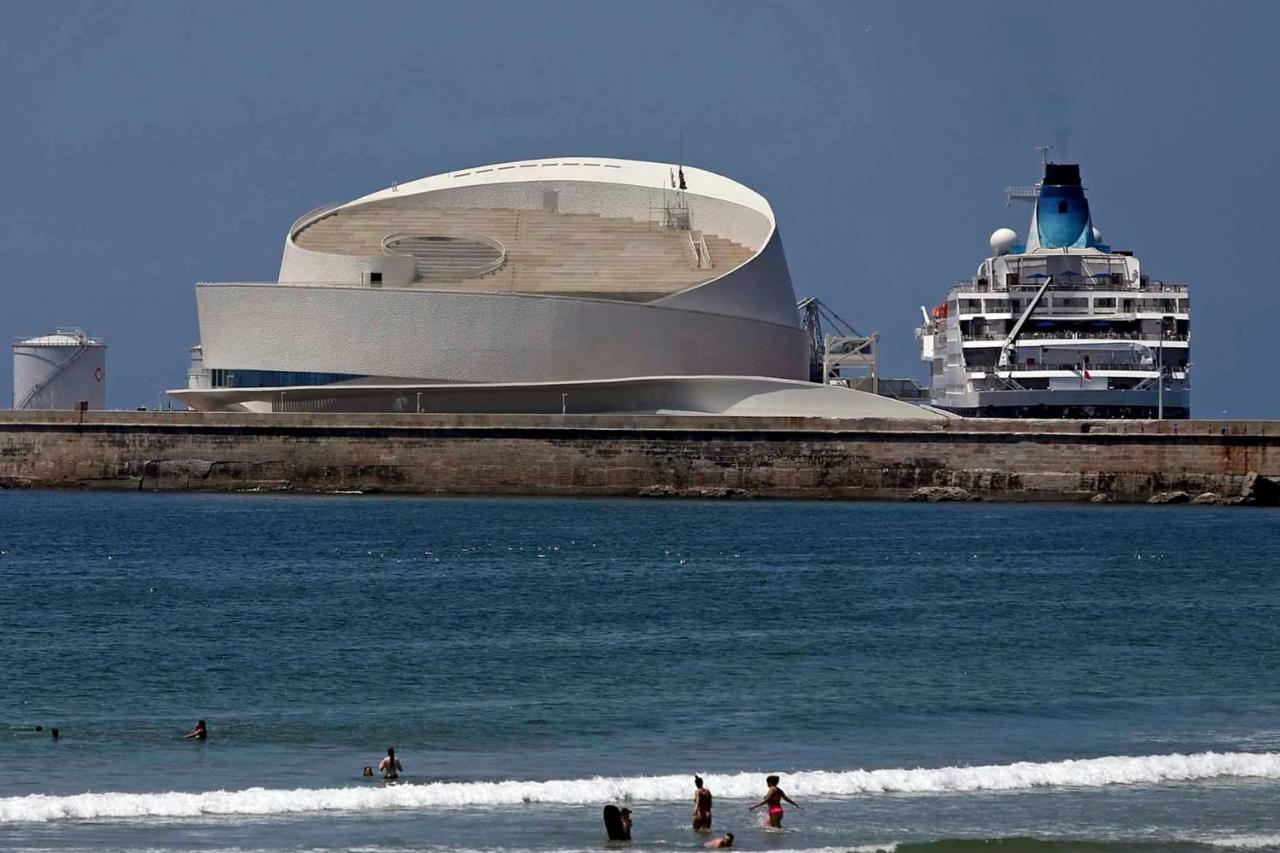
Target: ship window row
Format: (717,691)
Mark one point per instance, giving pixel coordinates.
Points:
(1075,280)
(1033,358)
(1033,273)
(1012,280)
(1056,327)
(1099,303)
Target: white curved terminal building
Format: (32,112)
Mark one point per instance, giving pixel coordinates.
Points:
(571,284)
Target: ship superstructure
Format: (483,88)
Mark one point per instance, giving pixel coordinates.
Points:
(1061,325)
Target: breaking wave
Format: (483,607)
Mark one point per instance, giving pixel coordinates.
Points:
(1247,842)
(1087,845)
(1081,773)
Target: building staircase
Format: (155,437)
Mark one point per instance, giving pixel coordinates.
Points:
(545,252)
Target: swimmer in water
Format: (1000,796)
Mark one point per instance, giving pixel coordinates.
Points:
(701,806)
(626,823)
(200,732)
(390,766)
(367,772)
(725,840)
(774,798)
(54,733)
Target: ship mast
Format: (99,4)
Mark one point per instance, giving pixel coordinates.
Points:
(1031,193)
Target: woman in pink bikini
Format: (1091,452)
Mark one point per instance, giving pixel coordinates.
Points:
(774,798)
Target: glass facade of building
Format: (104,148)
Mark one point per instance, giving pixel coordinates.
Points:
(231,378)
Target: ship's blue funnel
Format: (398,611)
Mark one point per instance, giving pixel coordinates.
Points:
(1062,211)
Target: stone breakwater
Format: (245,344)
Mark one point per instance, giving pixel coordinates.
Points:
(658,456)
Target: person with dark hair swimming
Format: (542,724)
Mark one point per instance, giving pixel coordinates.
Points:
(200,732)
(701,806)
(725,840)
(617,823)
(774,798)
(54,733)
(390,766)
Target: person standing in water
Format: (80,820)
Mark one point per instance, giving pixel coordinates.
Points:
(774,798)
(200,732)
(390,766)
(701,806)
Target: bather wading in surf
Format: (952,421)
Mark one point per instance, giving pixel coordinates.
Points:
(774,798)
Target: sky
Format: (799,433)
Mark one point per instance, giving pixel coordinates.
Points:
(149,146)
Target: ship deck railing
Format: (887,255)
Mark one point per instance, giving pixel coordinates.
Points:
(1058,284)
(1175,370)
(1077,336)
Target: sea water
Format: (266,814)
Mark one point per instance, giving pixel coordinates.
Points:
(922,677)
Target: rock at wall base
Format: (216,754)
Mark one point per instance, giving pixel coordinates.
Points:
(15,483)
(717,492)
(713,492)
(1206,499)
(1100,498)
(270,486)
(1169,498)
(939,494)
(1260,490)
(187,469)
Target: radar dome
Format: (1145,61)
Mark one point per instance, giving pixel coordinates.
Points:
(1002,240)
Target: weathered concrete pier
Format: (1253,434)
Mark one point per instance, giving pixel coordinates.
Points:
(1024,460)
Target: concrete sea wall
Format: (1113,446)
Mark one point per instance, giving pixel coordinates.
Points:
(631,455)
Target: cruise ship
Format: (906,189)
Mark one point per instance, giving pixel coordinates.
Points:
(1060,325)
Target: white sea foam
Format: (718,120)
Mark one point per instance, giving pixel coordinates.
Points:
(1246,842)
(1082,773)
(435,848)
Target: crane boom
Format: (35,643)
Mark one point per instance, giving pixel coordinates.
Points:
(1012,337)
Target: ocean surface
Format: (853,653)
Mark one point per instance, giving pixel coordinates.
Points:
(945,677)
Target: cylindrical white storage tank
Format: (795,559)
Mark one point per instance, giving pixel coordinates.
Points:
(60,371)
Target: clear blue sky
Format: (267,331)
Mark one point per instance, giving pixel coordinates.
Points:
(148,146)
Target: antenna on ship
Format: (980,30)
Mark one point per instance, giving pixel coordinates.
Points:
(1012,194)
